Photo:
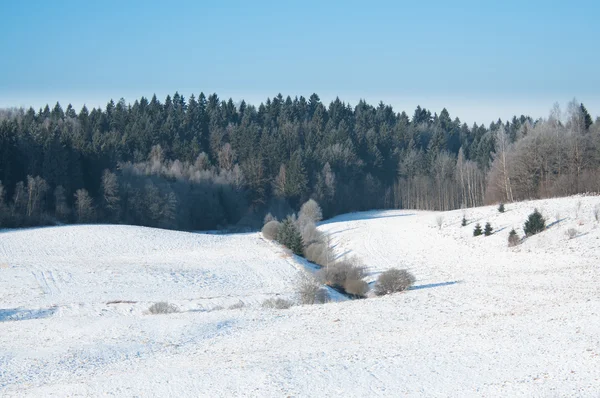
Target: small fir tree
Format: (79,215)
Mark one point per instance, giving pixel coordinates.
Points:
(513,238)
(289,236)
(501,208)
(535,223)
(477,231)
(488,229)
(464,221)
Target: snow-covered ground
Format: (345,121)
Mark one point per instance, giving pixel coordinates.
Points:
(482,320)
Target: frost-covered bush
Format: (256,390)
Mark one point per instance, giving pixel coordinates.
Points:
(278,304)
(535,223)
(310,211)
(597,213)
(393,280)
(310,291)
(238,305)
(338,273)
(356,287)
(572,233)
(501,208)
(319,253)
(268,218)
(310,234)
(439,221)
(163,308)
(270,230)
(513,238)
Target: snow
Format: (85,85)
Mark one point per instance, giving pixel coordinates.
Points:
(482,320)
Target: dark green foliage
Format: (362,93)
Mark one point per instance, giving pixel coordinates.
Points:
(477,231)
(535,223)
(513,238)
(464,222)
(501,208)
(203,163)
(289,236)
(488,229)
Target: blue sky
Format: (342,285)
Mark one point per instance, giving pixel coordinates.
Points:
(481,61)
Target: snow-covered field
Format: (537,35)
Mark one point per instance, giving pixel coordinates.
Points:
(482,320)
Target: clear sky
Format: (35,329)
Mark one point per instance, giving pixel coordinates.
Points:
(479,60)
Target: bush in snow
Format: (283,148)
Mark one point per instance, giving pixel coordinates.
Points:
(488,229)
(571,233)
(238,305)
(310,291)
(464,222)
(310,211)
(268,218)
(338,273)
(535,223)
(289,236)
(319,253)
(278,304)
(393,280)
(356,288)
(501,208)
(513,238)
(163,308)
(271,229)
(310,234)
(439,220)
(477,231)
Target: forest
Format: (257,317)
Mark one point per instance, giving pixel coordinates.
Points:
(206,163)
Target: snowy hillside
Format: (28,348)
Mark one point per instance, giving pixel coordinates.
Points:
(482,320)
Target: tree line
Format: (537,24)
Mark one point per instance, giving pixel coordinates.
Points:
(205,163)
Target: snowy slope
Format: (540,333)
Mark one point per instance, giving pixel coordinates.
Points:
(482,320)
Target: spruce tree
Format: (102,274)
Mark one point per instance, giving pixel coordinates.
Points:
(501,208)
(488,229)
(477,230)
(535,223)
(464,221)
(290,236)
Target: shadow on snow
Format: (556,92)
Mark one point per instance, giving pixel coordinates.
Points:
(19,314)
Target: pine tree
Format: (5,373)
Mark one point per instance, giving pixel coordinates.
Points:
(501,208)
(488,229)
(535,223)
(477,231)
(290,236)
(464,222)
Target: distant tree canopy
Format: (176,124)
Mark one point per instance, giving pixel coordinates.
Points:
(204,163)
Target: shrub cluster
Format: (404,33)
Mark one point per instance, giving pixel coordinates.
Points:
(393,280)
(278,304)
(345,275)
(163,308)
(310,290)
(271,229)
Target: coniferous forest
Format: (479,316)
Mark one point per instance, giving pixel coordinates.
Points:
(203,163)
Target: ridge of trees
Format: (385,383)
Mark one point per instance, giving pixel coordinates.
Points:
(205,163)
